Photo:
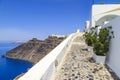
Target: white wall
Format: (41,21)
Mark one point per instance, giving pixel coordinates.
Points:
(46,67)
(113,58)
(101,10)
(87,26)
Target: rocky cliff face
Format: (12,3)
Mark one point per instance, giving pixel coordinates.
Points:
(34,49)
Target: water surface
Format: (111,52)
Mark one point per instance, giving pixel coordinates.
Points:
(10,68)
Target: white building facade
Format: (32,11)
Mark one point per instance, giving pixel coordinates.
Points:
(113,56)
(105,15)
(87,26)
(102,14)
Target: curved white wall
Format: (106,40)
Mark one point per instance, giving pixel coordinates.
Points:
(44,69)
(113,58)
(101,10)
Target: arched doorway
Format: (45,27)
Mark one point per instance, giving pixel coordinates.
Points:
(105,19)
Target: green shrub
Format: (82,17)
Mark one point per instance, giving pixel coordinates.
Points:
(88,36)
(101,45)
(101,41)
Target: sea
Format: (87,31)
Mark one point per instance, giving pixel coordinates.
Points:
(10,68)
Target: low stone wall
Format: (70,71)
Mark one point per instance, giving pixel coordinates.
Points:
(46,67)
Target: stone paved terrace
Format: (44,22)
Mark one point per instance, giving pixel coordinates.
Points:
(78,64)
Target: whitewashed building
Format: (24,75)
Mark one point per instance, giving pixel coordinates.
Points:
(58,36)
(104,15)
(87,26)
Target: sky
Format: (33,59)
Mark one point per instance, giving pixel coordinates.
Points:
(21,20)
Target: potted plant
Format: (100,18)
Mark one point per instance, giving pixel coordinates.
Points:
(101,44)
(88,39)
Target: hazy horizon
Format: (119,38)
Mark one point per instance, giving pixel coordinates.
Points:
(21,20)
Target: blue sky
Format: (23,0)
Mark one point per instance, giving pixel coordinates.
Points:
(21,20)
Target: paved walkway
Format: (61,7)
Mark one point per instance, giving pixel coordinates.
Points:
(79,65)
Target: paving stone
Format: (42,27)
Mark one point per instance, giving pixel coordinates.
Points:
(79,64)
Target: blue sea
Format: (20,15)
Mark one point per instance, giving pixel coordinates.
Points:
(10,68)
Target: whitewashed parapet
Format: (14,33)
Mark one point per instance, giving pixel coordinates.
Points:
(44,69)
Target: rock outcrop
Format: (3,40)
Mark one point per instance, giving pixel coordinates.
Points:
(34,49)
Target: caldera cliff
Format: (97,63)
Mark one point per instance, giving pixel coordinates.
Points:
(34,50)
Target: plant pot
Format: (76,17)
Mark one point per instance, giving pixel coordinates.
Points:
(99,59)
(89,48)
